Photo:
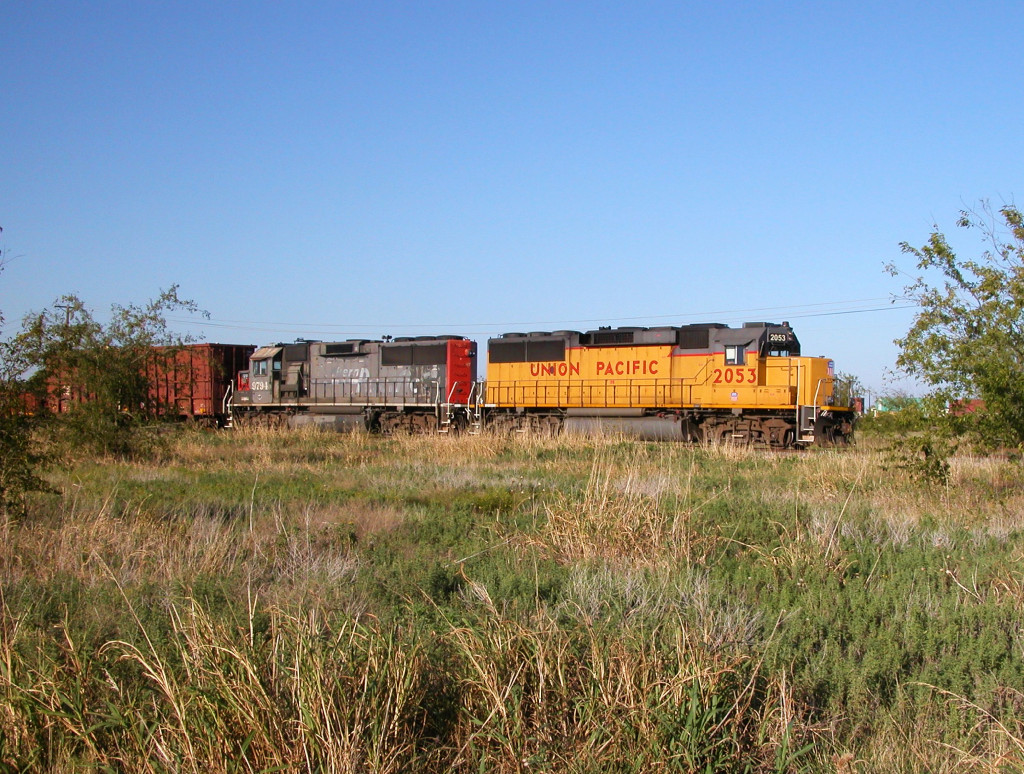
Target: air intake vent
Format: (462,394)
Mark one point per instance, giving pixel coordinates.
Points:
(694,338)
(340,350)
(605,338)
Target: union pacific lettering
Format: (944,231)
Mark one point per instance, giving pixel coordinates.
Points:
(628,368)
(554,369)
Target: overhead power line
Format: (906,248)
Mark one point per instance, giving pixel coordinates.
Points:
(822,309)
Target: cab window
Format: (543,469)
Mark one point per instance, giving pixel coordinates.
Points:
(259,368)
(733,355)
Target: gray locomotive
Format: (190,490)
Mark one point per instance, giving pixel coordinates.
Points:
(415,384)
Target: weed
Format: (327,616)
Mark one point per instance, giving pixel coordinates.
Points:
(304,601)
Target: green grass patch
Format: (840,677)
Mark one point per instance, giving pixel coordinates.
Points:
(255,601)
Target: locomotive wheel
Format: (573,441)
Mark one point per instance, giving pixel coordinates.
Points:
(546,427)
(827,432)
(423,423)
(772,432)
(410,424)
(499,424)
(261,420)
(778,433)
(458,425)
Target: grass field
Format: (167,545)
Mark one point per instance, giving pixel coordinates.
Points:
(255,601)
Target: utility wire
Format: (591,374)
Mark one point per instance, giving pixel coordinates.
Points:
(790,311)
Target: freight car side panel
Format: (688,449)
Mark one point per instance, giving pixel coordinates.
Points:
(189,382)
(193,381)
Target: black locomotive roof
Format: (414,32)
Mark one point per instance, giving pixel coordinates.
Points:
(693,336)
(414,339)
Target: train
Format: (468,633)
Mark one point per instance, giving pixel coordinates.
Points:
(704,382)
(190,382)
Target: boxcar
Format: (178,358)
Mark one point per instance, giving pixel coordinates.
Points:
(194,381)
(189,382)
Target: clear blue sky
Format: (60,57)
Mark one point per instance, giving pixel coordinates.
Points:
(340,169)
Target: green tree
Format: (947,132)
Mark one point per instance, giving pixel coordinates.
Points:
(848,388)
(99,371)
(965,341)
(20,460)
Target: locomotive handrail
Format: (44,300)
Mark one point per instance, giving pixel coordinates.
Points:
(445,413)
(451,392)
(703,371)
(814,407)
(669,392)
(842,392)
(817,391)
(601,393)
(226,403)
(797,398)
(374,392)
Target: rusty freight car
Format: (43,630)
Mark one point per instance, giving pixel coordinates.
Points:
(195,381)
(189,382)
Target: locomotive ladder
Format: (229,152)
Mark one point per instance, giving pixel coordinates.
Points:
(227,405)
(805,415)
(446,419)
(473,408)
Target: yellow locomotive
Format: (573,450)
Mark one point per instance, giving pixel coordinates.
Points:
(691,383)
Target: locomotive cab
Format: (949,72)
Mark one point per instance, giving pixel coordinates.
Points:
(264,375)
(778,341)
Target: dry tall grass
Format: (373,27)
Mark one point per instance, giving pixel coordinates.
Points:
(238,624)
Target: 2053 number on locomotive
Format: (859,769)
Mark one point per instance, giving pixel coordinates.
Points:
(734,376)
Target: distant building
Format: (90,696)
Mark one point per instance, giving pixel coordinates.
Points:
(962,408)
(884,405)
